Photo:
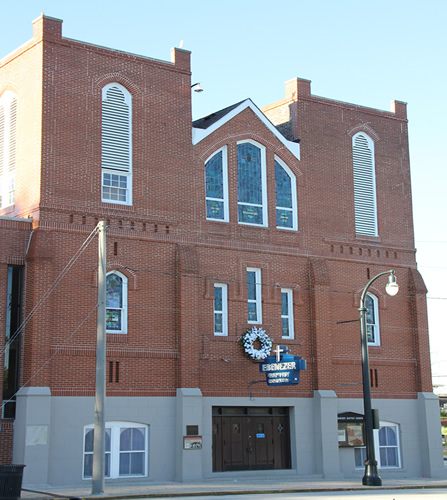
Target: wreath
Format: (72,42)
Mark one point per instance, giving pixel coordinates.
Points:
(250,337)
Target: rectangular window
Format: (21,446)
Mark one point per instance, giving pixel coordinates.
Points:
(254,295)
(115,188)
(220,309)
(287,331)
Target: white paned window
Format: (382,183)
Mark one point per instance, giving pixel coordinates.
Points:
(116,153)
(285,184)
(126,450)
(116,302)
(287,331)
(216,186)
(372,319)
(386,447)
(254,304)
(220,309)
(364,185)
(251,184)
(8,145)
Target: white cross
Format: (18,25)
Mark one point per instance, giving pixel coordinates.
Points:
(278,352)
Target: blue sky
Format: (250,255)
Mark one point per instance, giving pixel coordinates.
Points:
(367,53)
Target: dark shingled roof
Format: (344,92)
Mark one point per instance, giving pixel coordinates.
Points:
(209,120)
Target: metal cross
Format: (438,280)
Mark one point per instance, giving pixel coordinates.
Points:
(278,352)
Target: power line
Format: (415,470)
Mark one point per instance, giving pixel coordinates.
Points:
(55,283)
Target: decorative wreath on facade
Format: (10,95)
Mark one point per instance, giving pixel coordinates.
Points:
(250,337)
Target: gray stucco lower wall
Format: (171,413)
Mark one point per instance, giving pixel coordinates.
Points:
(419,434)
(49,433)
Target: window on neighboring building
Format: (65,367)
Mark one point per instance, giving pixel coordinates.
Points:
(116,302)
(216,186)
(287,331)
(126,450)
(387,448)
(372,319)
(8,140)
(220,309)
(364,185)
(254,295)
(116,156)
(286,213)
(251,184)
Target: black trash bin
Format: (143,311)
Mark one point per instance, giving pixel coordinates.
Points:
(11,481)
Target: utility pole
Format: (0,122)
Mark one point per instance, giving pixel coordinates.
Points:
(98,473)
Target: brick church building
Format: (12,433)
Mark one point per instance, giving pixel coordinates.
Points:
(268,221)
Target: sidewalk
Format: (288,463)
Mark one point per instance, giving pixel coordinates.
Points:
(231,487)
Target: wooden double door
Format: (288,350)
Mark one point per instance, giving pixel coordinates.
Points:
(250,439)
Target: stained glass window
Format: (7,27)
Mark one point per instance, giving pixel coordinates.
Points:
(249,184)
(214,187)
(284,198)
(116,301)
(372,324)
(220,309)
(254,295)
(286,314)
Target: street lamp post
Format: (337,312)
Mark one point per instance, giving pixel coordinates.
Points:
(371,477)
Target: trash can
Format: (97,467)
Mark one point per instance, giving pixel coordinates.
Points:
(11,481)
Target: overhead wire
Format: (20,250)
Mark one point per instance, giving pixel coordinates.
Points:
(53,286)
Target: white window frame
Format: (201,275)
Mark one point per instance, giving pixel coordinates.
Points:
(377,448)
(289,315)
(223,312)
(8,145)
(258,296)
(125,170)
(365,196)
(294,209)
(124,304)
(224,199)
(376,324)
(115,429)
(264,205)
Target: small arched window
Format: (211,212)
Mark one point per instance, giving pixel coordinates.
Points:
(286,212)
(116,302)
(116,154)
(372,319)
(251,184)
(216,186)
(386,447)
(364,185)
(126,450)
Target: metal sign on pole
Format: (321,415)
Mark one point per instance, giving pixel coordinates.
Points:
(98,473)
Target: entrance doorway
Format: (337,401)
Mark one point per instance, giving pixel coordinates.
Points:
(250,439)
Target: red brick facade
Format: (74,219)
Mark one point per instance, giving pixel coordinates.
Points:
(172,255)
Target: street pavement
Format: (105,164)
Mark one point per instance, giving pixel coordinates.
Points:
(253,485)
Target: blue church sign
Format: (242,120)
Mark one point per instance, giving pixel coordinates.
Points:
(282,368)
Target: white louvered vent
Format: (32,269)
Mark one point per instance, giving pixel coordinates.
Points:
(2,138)
(12,135)
(116,149)
(364,186)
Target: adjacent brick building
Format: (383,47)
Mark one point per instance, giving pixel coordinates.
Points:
(274,218)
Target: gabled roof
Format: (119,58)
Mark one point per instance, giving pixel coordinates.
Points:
(205,126)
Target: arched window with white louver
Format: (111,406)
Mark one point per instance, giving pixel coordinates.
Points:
(8,141)
(116,153)
(364,185)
